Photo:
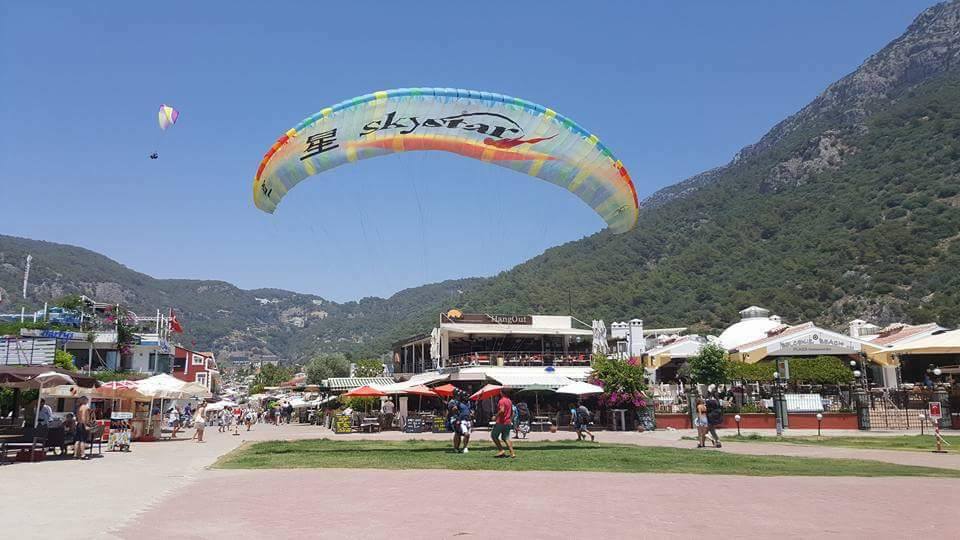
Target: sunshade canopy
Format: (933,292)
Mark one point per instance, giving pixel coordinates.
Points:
(421,390)
(23,377)
(580,389)
(488,391)
(365,392)
(445,390)
(164,386)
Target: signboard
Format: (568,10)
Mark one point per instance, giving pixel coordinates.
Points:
(933,410)
(483,318)
(121,415)
(342,424)
(815,342)
(439,424)
(783,368)
(54,334)
(413,425)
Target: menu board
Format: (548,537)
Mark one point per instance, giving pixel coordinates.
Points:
(439,424)
(413,425)
(342,424)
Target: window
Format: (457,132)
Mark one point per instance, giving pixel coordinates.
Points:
(198,360)
(202,378)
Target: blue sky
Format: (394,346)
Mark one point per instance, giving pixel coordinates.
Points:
(672,88)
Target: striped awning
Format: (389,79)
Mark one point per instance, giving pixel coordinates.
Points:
(345,384)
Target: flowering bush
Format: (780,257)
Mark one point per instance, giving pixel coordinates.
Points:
(623,383)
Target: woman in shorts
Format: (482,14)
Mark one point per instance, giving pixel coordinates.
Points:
(702,424)
(200,422)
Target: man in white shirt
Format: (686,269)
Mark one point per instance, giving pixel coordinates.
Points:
(386,421)
(45,414)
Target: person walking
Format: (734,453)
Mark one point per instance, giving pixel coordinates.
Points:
(714,418)
(582,422)
(701,423)
(501,429)
(453,421)
(465,418)
(174,419)
(84,420)
(387,410)
(200,422)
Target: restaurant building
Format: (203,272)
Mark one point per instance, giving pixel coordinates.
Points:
(759,337)
(483,340)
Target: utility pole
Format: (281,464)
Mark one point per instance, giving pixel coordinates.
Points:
(26,276)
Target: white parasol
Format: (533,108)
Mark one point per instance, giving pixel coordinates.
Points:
(580,389)
(600,337)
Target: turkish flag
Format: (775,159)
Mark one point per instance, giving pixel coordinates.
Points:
(174,324)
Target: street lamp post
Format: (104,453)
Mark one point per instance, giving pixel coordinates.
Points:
(778,404)
(819,422)
(736,418)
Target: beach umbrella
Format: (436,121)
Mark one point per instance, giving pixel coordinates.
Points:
(446,390)
(421,390)
(536,389)
(47,378)
(580,389)
(365,392)
(488,391)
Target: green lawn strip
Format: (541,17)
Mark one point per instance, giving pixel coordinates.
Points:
(548,456)
(923,443)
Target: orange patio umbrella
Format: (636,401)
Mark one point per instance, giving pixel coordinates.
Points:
(365,392)
(420,390)
(488,391)
(446,390)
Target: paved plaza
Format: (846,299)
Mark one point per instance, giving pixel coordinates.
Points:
(166,489)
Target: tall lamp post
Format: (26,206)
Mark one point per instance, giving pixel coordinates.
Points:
(777,403)
(819,423)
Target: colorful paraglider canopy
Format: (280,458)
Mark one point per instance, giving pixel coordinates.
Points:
(167,116)
(498,129)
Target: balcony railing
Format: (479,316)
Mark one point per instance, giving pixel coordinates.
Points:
(515,358)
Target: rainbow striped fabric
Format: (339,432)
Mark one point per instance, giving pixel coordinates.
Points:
(498,129)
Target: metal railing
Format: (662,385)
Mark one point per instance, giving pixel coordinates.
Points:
(519,358)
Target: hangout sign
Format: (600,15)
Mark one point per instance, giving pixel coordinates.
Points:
(482,318)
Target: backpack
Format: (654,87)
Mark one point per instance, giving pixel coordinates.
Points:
(714,411)
(583,415)
(523,411)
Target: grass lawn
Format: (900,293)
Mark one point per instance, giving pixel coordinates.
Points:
(924,443)
(548,456)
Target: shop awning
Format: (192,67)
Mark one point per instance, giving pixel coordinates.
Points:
(344,384)
(937,343)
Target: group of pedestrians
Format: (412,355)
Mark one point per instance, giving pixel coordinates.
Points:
(709,416)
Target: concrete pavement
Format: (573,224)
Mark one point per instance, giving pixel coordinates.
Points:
(430,504)
(166,489)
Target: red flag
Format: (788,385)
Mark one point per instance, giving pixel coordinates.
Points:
(174,324)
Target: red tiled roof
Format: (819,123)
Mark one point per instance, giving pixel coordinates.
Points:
(888,338)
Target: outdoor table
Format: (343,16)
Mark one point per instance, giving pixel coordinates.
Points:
(622,413)
(541,421)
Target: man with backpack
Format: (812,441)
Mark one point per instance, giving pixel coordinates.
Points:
(581,422)
(714,418)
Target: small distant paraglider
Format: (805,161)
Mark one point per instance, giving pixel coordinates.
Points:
(167,117)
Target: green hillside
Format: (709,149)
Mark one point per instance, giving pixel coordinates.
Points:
(876,237)
(849,208)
